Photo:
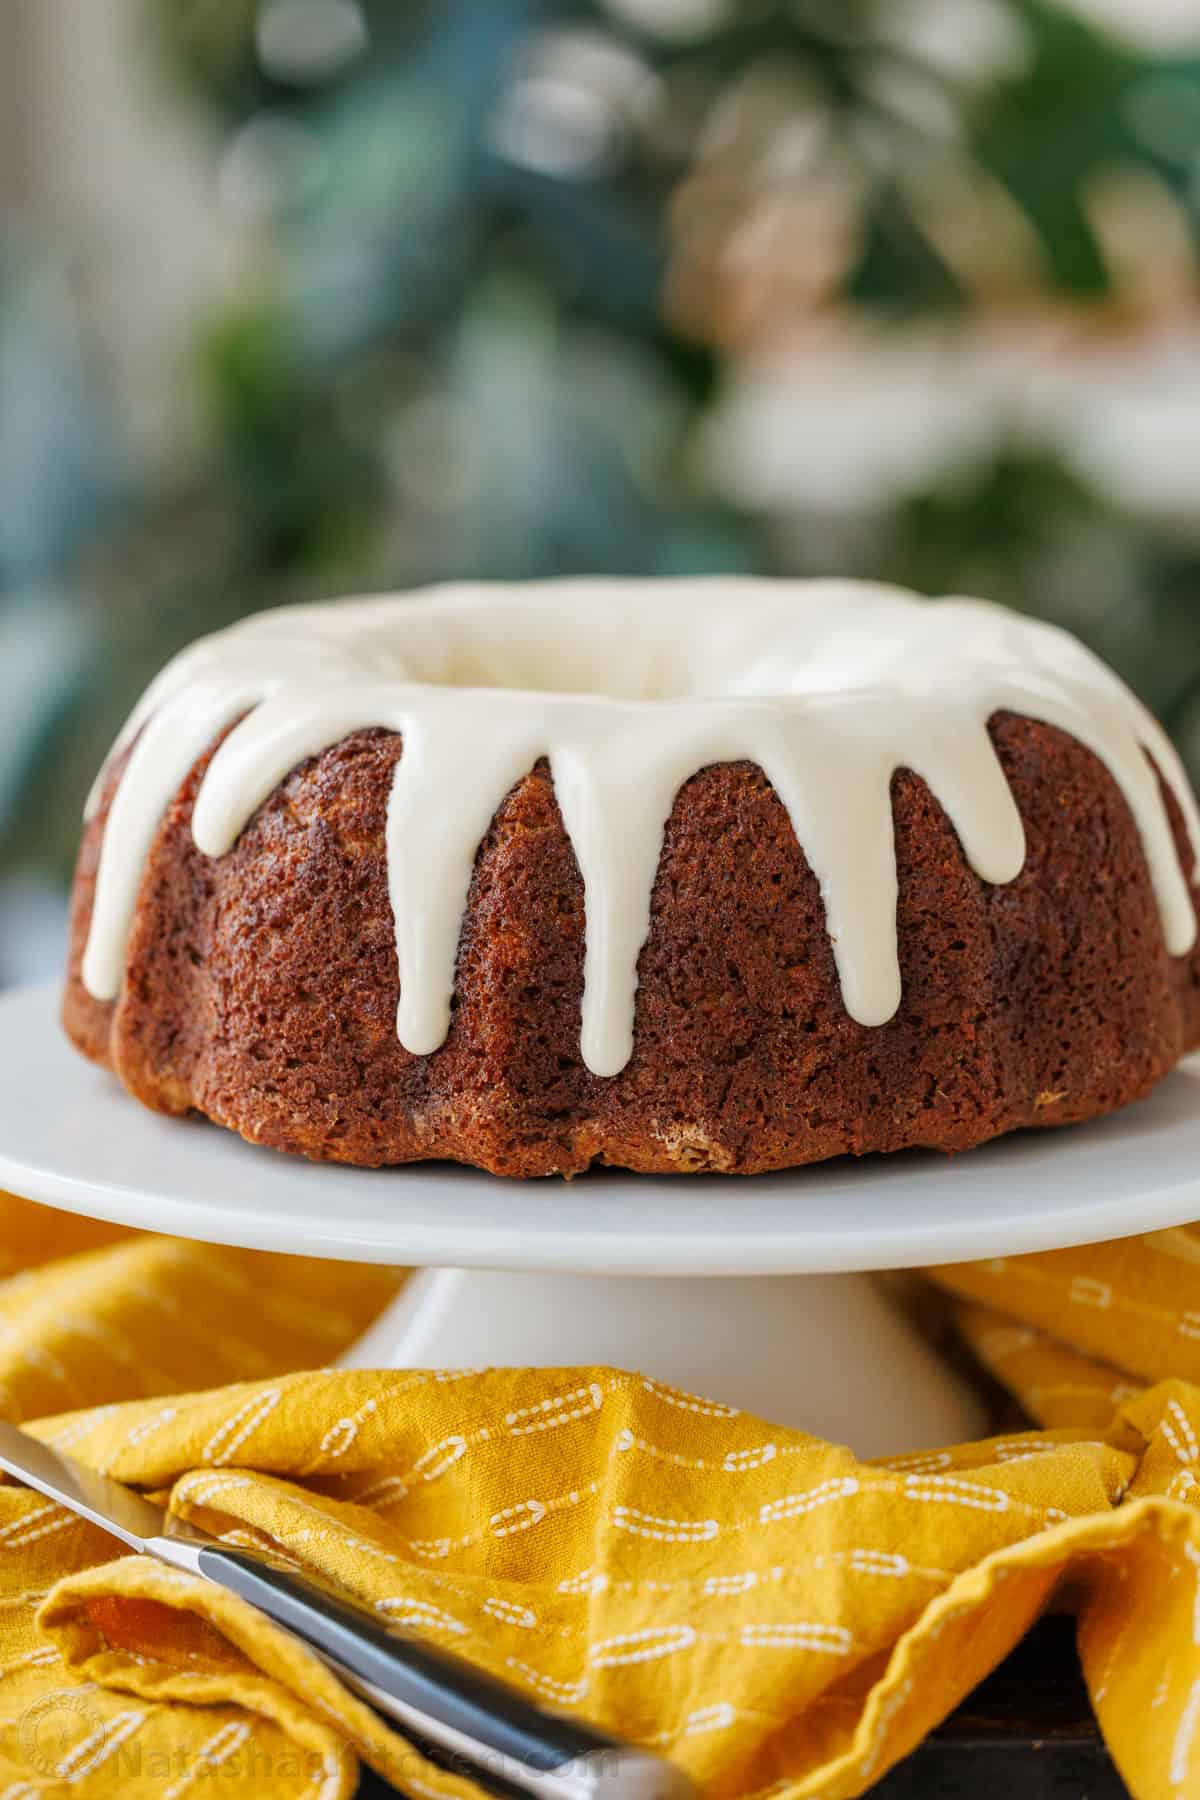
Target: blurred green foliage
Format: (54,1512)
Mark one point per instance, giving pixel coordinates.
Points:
(493,314)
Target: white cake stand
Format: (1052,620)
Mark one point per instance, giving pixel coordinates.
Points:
(605,1269)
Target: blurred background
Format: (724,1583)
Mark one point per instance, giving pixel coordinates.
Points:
(306,296)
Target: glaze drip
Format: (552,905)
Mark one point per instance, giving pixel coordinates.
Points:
(630,688)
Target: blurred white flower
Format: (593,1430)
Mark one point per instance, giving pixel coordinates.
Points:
(304,42)
(1155,24)
(675,21)
(856,420)
(272,162)
(570,103)
(972,42)
(849,423)
(1126,416)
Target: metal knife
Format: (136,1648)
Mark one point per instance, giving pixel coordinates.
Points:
(486,1728)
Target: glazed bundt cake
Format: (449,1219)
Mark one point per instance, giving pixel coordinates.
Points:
(702,875)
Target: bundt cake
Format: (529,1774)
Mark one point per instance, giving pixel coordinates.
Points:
(694,875)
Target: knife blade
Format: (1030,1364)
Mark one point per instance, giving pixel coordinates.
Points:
(495,1732)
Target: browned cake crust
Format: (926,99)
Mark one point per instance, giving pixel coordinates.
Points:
(261,988)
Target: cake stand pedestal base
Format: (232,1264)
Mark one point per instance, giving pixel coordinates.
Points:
(753,1291)
(831,1354)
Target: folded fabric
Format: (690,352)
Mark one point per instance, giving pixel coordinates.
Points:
(1094,1323)
(774,1614)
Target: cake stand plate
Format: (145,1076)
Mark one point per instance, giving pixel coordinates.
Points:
(543,1272)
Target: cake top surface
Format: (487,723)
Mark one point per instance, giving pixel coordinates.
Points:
(629,688)
(634,641)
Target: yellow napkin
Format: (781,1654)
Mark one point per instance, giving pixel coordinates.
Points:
(774,1614)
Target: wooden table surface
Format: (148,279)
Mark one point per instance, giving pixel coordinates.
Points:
(1028,1731)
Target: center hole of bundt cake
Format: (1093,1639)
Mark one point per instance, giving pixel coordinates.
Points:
(594,664)
(719,638)
(634,682)
(614,640)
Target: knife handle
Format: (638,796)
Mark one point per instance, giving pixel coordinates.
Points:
(496,1730)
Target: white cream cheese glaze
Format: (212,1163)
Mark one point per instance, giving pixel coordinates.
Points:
(629,688)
